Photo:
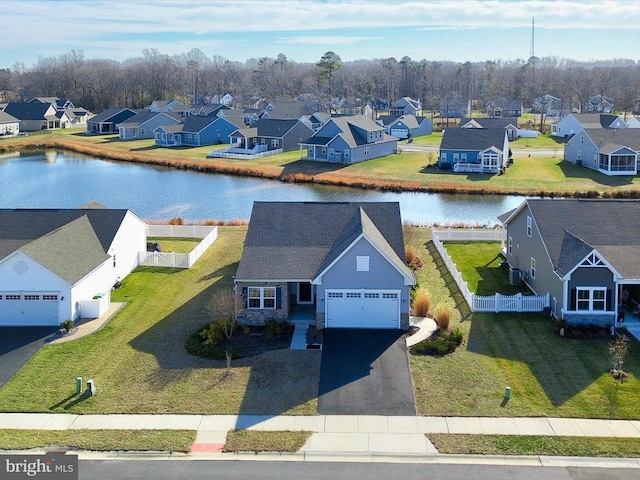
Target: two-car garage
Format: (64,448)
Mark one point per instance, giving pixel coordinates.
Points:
(20,308)
(362,308)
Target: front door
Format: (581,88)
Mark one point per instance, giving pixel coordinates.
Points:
(304,293)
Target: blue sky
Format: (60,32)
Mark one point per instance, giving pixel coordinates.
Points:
(456,30)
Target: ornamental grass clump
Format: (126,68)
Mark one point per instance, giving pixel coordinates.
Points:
(442,316)
(421,303)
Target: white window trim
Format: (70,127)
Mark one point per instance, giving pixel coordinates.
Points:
(362,263)
(510,245)
(532,271)
(529,226)
(591,300)
(262,297)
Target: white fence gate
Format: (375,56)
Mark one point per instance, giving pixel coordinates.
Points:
(173,259)
(490,303)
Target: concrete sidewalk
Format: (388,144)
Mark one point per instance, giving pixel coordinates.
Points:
(333,434)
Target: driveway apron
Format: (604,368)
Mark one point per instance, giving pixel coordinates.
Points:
(18,345)
(365,372)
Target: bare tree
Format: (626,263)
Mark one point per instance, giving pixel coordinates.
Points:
(223,308)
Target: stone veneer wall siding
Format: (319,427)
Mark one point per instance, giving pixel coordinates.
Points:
(248,316)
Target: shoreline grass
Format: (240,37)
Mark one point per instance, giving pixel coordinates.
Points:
(406,171)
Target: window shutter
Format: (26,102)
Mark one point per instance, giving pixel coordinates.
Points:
(278,297)
(573,299)
(245,297)
(609,295)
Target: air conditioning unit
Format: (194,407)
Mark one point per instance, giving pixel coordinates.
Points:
(515,276)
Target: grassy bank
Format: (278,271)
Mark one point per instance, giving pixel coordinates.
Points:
(406,171)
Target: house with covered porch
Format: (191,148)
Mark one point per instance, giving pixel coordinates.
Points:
(608,151)
(474,150)
(584,253)
(350,139)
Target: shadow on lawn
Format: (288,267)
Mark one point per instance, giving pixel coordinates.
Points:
(563,367)
(279,381)
(460,303)
(572,171)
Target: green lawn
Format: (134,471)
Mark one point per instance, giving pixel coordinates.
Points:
(548,375)
(178,245)
(99,440)
(528,175)
(536,445)
(140,364)
(261,441)
(479,264)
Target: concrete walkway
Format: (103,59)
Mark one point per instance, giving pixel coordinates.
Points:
(342,438)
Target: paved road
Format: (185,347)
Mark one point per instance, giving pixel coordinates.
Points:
(264,470)
(18,345)
(365,372)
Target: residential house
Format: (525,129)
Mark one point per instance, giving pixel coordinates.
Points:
(344,261)
(509,125)
(59,104)
(475,150)
(78,117)
(108,120)
(574,122)
(405,126)
(164,106)
(35,116)
(455,108)
(349,139)
(584,253)
(197,131)
(505,108)
(600,104)
(290,110)
(9,126)
(268,135)
(226,99)
(316,120)
(57,265)
(143,124)
(64,118)
(406,106)
(608,151)
(549,106)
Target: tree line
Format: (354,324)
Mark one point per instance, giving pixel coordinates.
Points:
(97,84)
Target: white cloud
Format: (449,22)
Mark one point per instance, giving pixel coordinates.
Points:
(324,39)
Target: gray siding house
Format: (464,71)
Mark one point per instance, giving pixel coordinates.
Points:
(509,125)
(350,139)
(584,253)
(143,124)
(342,260)
(608,151)
(574,122)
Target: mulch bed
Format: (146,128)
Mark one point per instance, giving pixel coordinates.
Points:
(251,341)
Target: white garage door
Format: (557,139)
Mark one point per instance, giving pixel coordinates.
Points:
(399,133)
(362,308)
(28,308)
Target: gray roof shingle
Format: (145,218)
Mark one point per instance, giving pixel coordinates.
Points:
(476,139)
(297,240)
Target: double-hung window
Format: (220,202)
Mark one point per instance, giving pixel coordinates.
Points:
(591,299)
(261,297)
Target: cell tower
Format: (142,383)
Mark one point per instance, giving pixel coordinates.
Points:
(533,60)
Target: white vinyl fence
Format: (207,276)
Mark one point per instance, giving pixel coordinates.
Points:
(490,303)
(173,259)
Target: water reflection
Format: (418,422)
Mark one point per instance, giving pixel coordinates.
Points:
(67,180)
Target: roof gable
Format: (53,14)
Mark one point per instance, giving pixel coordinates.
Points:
(474,139)
(296,240)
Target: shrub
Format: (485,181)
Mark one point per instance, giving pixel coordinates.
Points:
(442,344)
(67,326)
(276,327)
(213,334)
(442,316)
(413,260)
(421,303)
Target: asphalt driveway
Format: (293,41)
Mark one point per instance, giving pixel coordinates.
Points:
(18,345)
(365,372)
